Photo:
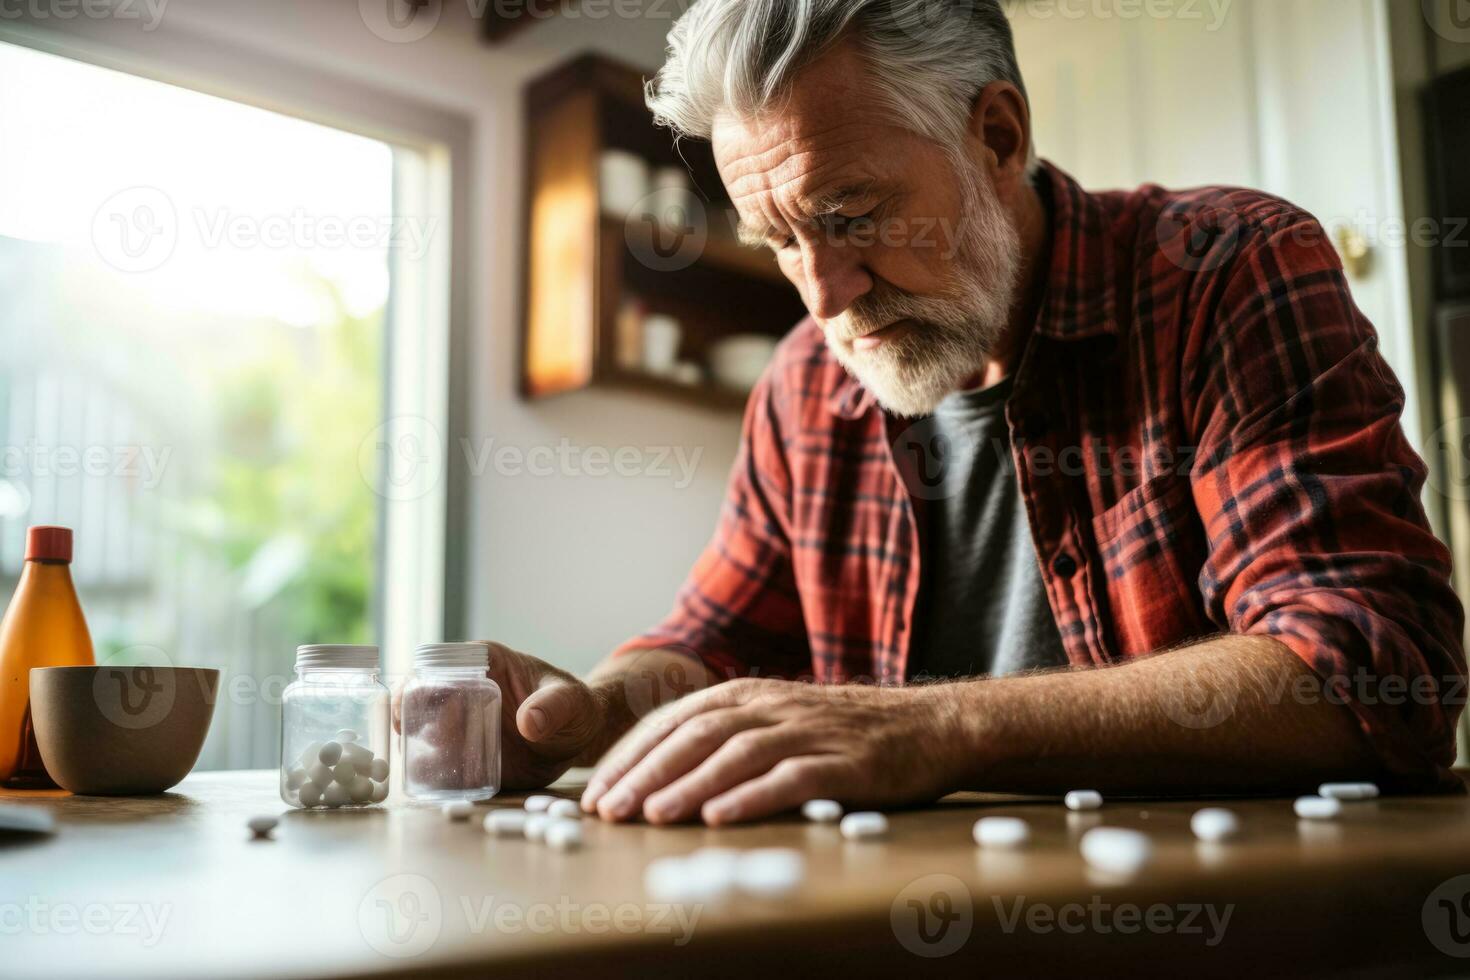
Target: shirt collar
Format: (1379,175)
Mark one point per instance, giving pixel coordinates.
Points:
(1081,292)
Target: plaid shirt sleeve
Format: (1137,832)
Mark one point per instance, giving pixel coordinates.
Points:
(1309,495)
(739,611)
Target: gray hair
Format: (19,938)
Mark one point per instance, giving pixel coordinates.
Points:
(929,58)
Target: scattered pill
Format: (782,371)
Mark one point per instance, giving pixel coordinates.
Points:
(535,828)
(1348,791)
(714,862)
(680,880)
(1001,832)
(769,872)
(261,827)
(538,803)
(822,811)
(1214,823)
(330,754)
(506,823)
(458,810)
(1317,807)
(345,735)
(378,769)
(564,810)
(1116,850)
(344,773)
(1083,799)
(863,825)
(311,794)
(562,834)
(336,795)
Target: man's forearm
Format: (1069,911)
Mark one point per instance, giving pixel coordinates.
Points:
(1223,715)
(630,686)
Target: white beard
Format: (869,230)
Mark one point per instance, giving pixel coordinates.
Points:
(955,334)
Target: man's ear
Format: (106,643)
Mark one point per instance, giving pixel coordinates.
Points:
(1000,122)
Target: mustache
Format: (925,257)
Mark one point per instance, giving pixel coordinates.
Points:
(876,310)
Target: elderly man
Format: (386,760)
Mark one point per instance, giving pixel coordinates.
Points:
(1101,490)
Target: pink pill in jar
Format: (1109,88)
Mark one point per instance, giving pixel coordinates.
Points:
(450,719)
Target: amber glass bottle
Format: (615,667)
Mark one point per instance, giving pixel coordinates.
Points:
(43,627)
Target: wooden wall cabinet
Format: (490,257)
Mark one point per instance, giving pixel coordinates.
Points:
(583,264)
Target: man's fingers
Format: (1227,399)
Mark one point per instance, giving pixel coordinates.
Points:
(789,784)
(682,750)
(559,717)
(742,757)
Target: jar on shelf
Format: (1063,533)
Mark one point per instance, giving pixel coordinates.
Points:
(450,718)
(335,729)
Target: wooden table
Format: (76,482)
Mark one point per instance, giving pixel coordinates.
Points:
(173,886)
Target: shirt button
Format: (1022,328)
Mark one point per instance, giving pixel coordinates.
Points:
(1065,566)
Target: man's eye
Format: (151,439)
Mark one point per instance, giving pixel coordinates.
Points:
(782,244)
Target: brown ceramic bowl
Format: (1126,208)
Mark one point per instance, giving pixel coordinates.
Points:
(121,731)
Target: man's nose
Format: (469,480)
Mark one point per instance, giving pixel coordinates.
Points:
(835,277)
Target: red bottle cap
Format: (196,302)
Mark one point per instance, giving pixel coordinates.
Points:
(45,543)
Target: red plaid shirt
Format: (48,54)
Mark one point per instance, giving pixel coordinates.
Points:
(1206,439)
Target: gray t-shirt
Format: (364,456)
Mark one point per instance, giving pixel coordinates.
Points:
(983,607)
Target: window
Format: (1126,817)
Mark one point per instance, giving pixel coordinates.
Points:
(226,347)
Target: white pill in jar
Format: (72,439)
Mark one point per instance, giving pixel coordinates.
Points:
(295,778)
(344,773)
(362,789)
(506,823)
(336,795)
(319,774)
(378,769)
(310,794)
(345,735)
(312,755)
(1317,807)
(1214,823)
(330,754)
(360,756)
(1001,832)
(458,810)
(380,792)
(1083,799)
(564,810)
(822,811)
(1116,850)
(562,834)
(538,803)
(863,825)
(1348,791)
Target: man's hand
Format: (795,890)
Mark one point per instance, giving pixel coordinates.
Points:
(548,718)
(751,748)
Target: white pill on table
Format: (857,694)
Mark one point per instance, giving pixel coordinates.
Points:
(538,803)
(380,792)
(336,795)
(714,862)
(361,789)
(864,824)
(458,810)
(330,754)
(679,880)
(1083,799)
(262,826)
(535,827)
(345,735)
(311,794)
(1348,791)
(379,769)
(564,810)
(1214,823)
(1001,832)
(506,823)
(822,811)
(295,777)
(344,773)
(360,756)
(1116,850)
(1317,807)
(770,871)
(563,834)
(319,774)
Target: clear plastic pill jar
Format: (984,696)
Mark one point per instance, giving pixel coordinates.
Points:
(335,738)
(450,717)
